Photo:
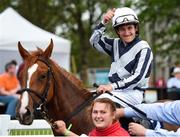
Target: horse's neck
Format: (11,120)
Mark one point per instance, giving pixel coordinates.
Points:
(71,100)
(68,90)
(67,97)
(72,96)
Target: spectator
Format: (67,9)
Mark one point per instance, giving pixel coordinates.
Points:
(164,112)
(9,85)
(173,85)
(102,113)
(171,70)
(174,82)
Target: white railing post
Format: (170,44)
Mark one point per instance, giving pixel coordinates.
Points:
(4,125)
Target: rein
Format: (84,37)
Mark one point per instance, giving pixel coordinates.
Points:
(82,106)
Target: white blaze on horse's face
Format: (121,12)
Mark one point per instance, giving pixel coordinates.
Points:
(31,70)
(24,99)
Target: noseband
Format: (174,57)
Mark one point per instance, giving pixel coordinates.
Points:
(41,105)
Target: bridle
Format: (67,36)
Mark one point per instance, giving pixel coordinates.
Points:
(41,105)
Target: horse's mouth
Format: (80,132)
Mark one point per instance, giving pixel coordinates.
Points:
(25,119)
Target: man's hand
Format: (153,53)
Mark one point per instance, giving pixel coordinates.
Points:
(108,16)
(137,129)
(104,88)
(120,113)
(61,127)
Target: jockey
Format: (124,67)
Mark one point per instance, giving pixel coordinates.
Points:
(131,57)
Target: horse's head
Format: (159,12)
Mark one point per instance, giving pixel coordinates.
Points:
(37,82)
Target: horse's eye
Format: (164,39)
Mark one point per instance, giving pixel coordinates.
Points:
(42,77)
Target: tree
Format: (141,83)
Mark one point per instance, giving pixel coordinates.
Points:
(163,19)
(4,4)
(161,26)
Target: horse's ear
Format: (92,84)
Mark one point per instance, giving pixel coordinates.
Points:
(23,52)
(48,51)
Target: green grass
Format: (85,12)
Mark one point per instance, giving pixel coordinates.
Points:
(30,132)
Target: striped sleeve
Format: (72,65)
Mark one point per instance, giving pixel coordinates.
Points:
(142,67)
(100,42)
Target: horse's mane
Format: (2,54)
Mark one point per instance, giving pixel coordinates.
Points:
(71,78)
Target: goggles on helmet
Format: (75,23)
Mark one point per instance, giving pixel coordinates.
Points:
(129,18)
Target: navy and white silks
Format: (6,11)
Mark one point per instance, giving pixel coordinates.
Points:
(130,68)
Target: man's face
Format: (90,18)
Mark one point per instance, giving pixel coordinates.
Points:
(127,32)
(12,69)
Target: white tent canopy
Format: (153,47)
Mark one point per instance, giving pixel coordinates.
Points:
(14,28)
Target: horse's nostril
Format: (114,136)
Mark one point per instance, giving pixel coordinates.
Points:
(28,113)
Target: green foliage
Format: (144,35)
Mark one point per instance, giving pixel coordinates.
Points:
(164,26)
(4,4)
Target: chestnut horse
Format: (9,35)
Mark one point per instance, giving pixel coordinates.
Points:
(51,88)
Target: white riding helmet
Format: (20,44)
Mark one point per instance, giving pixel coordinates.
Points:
(123,16)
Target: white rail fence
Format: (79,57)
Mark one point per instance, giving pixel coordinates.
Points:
(13,128)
